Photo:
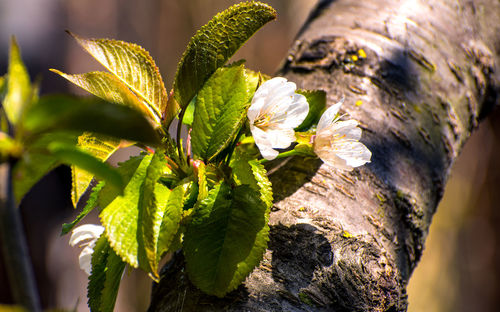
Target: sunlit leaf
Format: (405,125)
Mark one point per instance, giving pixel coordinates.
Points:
(152,204)
(133,66)
(19,92)
(100,147)
(89,206)
(108,87)
(247,170)
(59,112)
(36,162)
(2,87)
(120,214)
(226,239)
(215,43)
(317,105)
(189,113)
(220,110)
(9,147)
(104,281)
(171,220)
(133,221)
(72,155)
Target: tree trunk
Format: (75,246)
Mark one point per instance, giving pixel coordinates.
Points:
(349,241)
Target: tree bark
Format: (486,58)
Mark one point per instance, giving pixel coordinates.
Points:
(349,241)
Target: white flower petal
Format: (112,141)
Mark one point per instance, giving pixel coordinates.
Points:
(337,142)
(85,258)
(85,232)
(329,115)
(353,152)
(280,137)
(347,130)
(255,109)
(273,114)
(269,86)
(272,138)
(333,160)
(88,235)
(268,153)
(296,112)
(275,90)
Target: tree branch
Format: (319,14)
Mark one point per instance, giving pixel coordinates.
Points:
(417,75)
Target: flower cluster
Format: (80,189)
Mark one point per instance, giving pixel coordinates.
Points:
(276,110)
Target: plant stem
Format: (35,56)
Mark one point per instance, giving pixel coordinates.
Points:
(15,250)
(179,143)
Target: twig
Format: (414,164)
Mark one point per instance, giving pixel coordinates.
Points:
(15,249)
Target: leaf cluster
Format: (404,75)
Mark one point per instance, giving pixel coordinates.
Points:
(39,133)
(209,195)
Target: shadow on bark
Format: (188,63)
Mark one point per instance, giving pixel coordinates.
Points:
(293,174)
(298,249)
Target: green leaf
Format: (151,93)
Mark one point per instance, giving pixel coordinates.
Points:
(59,112)
(110,88)
(154,197)
(104,281)
(2,86)
(171,220)
(226,239)
(100,147)
(9,147)
(219,111)
(89,206)
(29,169)
(202,180)
(36,162)
(19,92)
(134,67)
(189,113)
(72,155)
(133,221)
(248,171)
(317,105)
(120,214)
(215,43)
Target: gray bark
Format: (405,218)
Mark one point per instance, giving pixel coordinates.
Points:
(350,241)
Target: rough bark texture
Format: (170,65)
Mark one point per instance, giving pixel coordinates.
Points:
(350,241)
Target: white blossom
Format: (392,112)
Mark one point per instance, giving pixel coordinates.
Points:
(86,236)
(337,142)
(273,114)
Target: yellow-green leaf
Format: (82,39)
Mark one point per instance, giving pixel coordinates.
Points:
(317,104)
(19,92)
(66,113)
(108,87)
(107,271)
(215,43)
(152,204)
(226,239)
(133,221)
(29,170)
(9,147)
(220,110)
(101,147)
(72,155)
(134,67)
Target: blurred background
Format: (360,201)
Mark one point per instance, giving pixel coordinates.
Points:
(459,269)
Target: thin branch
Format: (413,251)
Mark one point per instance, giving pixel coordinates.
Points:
(15,250)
